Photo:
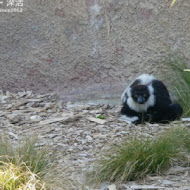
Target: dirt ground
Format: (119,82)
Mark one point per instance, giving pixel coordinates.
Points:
(77,136)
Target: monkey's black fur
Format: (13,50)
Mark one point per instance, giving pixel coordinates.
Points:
(147,99)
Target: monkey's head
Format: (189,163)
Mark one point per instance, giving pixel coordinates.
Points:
(140,93)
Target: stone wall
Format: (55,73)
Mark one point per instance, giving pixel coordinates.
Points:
(89,49)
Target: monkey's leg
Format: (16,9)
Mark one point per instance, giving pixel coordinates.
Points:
(175,111)
(129,115)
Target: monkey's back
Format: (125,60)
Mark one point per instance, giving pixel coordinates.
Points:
(161,93)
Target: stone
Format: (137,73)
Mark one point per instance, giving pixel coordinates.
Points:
(36,118)
(185,119)
(3,99)
(22,94)
(1,113)
(177,170)
(52,135)
(16,119)
(111,187)
(167,182)
(17,105)
(89,138)
(146,187)
(96,120)
(13,135)
(53,120)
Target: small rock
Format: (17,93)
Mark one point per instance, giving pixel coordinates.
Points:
(83,155)
(177,170)
(67,114)
(17,105)
(53,120)
(1,113)
(80,147)
(52,135)
(96,120)
(185,119)
(87,133)
(40,144)
(111,187)
(89,138)
(83,141)
(22,94)
(11,134)
(3,99)
(104,185)
(147,187)
(36,118)
(96,111)
(167,182)
(16,119)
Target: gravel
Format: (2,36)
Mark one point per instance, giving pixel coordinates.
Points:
(77,136)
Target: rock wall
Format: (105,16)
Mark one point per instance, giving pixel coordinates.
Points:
(89,49)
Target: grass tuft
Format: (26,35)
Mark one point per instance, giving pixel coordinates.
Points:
(180,81)
(137,157)
(37,160)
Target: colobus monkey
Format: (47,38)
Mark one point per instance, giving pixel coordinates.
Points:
(147,99)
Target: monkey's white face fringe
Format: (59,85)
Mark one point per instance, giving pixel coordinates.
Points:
(129,119)
(144,79)
(141,107)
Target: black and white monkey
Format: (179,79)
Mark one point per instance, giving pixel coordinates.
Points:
(147,99)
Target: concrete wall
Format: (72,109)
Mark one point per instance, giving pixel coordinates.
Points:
(89,49)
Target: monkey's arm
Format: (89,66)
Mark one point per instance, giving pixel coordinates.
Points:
(130,116)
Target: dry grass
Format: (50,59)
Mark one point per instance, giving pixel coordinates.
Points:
(14,177)
(26,167)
